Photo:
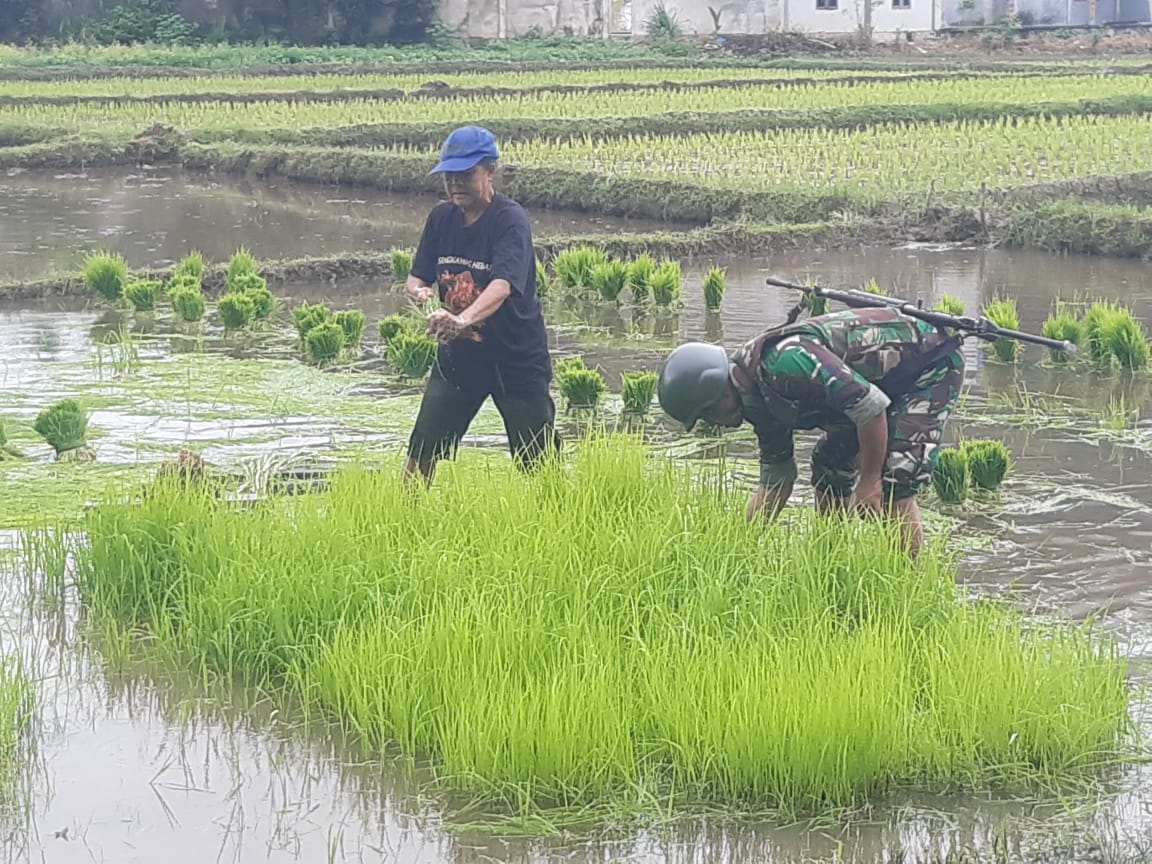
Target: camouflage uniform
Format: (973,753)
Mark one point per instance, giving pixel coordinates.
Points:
(819,373)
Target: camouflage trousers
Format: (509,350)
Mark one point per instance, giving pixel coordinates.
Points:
(915,428)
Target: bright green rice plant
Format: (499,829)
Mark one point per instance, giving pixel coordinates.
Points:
(242,263)
(306,316)
(1125,339)
(640,272)
(988,462)
(581,388)
(950,477)
(1065,326)
(609,278)
(817,305)
(1092,322)
(63,425)
(574,266)
(392,325)
(324,342)
(543,282)
(255,287)
(401,260)
(412,353)
(637,390)
(7,451)
(187,302)
(950,305)
(873,287)
(191,265)
(352,322)
(142,294)
(236,310)
(1003,313)
(106,274)
(667,283)
(684,656)
(714,286)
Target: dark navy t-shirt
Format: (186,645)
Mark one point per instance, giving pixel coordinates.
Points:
(509,350)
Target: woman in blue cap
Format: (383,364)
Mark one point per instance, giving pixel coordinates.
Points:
(476,255)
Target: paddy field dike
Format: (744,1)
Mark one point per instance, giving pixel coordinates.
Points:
(229,630)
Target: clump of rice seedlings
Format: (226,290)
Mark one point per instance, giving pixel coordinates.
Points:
(637,390)
(393,325)
(242,263)
(873,287)
(1065,326)
(640,272)
(950,305)
(64,426)
(609,279)
(667,283)
(236,310)
(142,294)
(714,286)
(352,322)
(1124,338)
(1092,323)
(192,266)
(255,287)
(17,703)
(7,451)
(1003,313)
(412,353)
(816,304)
(988,462)
(950,477)
(580,386)
(574,266)
(543,281)
(324,342)
(401,260)
(106,274)
(796,665)
(187,302)
(307,316)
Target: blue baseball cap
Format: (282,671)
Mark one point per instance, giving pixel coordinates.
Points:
(465,147)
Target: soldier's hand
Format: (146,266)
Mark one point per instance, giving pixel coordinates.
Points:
(868,497)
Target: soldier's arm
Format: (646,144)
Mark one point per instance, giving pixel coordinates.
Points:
(777,471)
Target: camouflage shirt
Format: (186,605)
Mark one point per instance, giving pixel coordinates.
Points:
(820,372)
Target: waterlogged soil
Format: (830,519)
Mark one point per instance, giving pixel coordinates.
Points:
(49,221)
(131,766)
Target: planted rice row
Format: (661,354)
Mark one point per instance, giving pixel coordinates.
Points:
(657,650)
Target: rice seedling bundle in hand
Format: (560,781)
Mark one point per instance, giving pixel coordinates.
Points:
(714,286)
(988,462)
(574,266)
(640,272)
(106,274)
(609,279)
(684,656)
(1063,326)
(236,310)
(401,260)
(63,425)
(142,294)
(667,283)
(1003,313)
(352,322)
(637,390)
(950,477)
(412,353)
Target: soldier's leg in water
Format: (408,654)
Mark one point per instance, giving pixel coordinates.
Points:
(916,429)
(834,469)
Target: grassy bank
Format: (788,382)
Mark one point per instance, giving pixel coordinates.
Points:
(656,651)
(1124,231)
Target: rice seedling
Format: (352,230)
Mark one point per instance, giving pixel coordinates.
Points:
(949,304)
(142,294)
(123,353)
(637,390)
(236,310)
(64,426)
(1065,326)
(401,265)
(580,386)
(988,462)
(640,272)
(608,279)
(17,704)
(324,342)
(950,477)
(574,266)
(412,353)
(1125,339)
(393,325)
(1092,323)
(307,316)
(543,282)
(1003,313)
(7,451)
(242,263)
(873,287)
(187,302)
(714,285)
(106,274)
(817,305)
(686,656)
(191,265)
(352,322)
(255,287)
(667,283)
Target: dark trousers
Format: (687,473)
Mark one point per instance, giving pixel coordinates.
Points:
(448,409)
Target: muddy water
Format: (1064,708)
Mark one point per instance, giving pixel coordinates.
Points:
(48,222)
(130,770)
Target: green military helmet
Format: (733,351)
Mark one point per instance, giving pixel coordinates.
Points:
(694,376)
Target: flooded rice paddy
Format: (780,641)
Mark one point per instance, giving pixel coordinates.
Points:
(130,766)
